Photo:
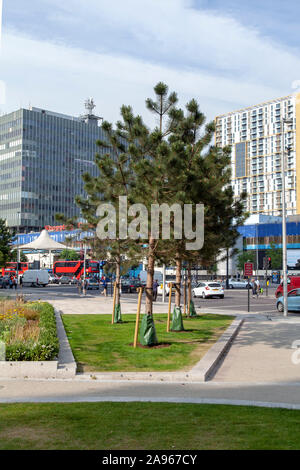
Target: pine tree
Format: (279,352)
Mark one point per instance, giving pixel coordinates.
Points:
(175,164)
(115,180)
(201,174)
(6,240)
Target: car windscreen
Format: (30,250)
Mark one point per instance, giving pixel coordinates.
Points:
(214,285)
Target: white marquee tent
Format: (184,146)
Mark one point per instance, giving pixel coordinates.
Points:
(43,242)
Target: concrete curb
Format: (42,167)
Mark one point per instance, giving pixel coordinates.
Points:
(66,363)
(207,366)
(137,399)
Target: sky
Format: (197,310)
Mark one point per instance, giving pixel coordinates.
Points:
(227,54)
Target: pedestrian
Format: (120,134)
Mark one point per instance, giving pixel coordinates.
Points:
(10,282)
(79,286)
(21,282)
(104,283)
(257,287)
(84,286)
(14,283)
(37,282)
(155,287)
(254,288)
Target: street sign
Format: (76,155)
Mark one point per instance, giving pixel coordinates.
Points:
(248,269)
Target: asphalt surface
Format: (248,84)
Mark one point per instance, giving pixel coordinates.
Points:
(234,299)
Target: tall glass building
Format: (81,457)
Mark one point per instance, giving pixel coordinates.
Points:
(42,157)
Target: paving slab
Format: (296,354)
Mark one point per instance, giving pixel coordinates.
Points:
(262,352)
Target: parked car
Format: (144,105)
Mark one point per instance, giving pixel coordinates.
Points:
(93,283)
(238,284)
(207,289)
(293,301)
(65,280)
(130,285)
(160,289)
(53,279)
(167,288)
(293,282)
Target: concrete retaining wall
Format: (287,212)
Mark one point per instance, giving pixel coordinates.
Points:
(28,369)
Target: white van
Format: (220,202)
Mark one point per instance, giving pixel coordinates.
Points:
(35,277)
(157,276)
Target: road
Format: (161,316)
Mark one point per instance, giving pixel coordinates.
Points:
(234,300)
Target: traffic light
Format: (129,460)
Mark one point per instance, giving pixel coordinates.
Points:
(269,263)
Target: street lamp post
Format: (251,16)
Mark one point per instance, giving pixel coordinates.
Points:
(84,262)
(257,251)
(227,268)
(284,252)
(164,284)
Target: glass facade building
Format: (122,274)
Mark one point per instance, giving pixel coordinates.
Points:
(42,157)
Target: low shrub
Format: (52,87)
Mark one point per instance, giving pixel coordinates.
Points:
(45,347)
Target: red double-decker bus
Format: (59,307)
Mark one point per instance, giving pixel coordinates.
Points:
(11,268)
(75,268)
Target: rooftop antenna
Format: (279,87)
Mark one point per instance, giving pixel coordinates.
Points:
(90,105)
(90,117)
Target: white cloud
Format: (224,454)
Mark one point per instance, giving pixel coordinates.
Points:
(197,53)
(174,32)
(60,78)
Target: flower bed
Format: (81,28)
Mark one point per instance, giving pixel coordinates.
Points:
(28,331)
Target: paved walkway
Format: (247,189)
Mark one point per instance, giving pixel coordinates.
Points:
(103,305)
(262,352)
(89,390)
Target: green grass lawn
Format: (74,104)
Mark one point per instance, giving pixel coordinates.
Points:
(100,346)
(146,426)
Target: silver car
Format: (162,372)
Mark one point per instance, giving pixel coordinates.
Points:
(238,283)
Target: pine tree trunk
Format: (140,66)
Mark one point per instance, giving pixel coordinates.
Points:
(178,280)
(118,271)
(150,276)
(189,278)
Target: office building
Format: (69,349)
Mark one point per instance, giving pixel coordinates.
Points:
(42,157)
(255,136)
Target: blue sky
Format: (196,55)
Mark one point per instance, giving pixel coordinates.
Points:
(227,54)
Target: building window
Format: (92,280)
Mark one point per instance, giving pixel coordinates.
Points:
(240,159)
